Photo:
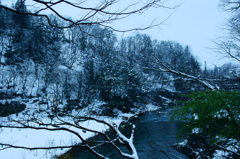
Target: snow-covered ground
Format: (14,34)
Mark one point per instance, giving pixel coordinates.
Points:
(41,138)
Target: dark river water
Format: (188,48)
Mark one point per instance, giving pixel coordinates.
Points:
(153,138)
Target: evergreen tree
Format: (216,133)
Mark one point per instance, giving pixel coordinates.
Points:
(91,81)
(2,20)
(37,42)
(213,114)
(21,21)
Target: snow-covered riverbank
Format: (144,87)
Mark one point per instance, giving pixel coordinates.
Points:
(45,138)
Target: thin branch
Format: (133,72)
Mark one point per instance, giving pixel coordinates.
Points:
(59,124)
(227,150)
(94,13)
(38,148)
(164,68)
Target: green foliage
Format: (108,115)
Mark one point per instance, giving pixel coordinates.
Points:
(214,113)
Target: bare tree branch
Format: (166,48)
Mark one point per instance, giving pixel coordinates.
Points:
(230,5)
(164,68)
(62,124)
(228,45)
(102,13)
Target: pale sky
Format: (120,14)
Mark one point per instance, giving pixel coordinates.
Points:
(195,23)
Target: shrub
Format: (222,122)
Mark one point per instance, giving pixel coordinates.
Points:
(213,114)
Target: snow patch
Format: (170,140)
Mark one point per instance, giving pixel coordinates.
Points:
(151,107)
(183,143)
(196,130)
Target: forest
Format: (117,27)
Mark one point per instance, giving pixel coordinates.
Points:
(65,70)
(69,65)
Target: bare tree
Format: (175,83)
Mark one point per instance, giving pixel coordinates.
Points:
(100,12)
(229,44)
(72,124)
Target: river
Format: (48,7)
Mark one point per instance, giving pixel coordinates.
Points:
(154,138)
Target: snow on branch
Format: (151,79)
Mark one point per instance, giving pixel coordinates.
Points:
(72,125)
(163,68)
(128,142)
